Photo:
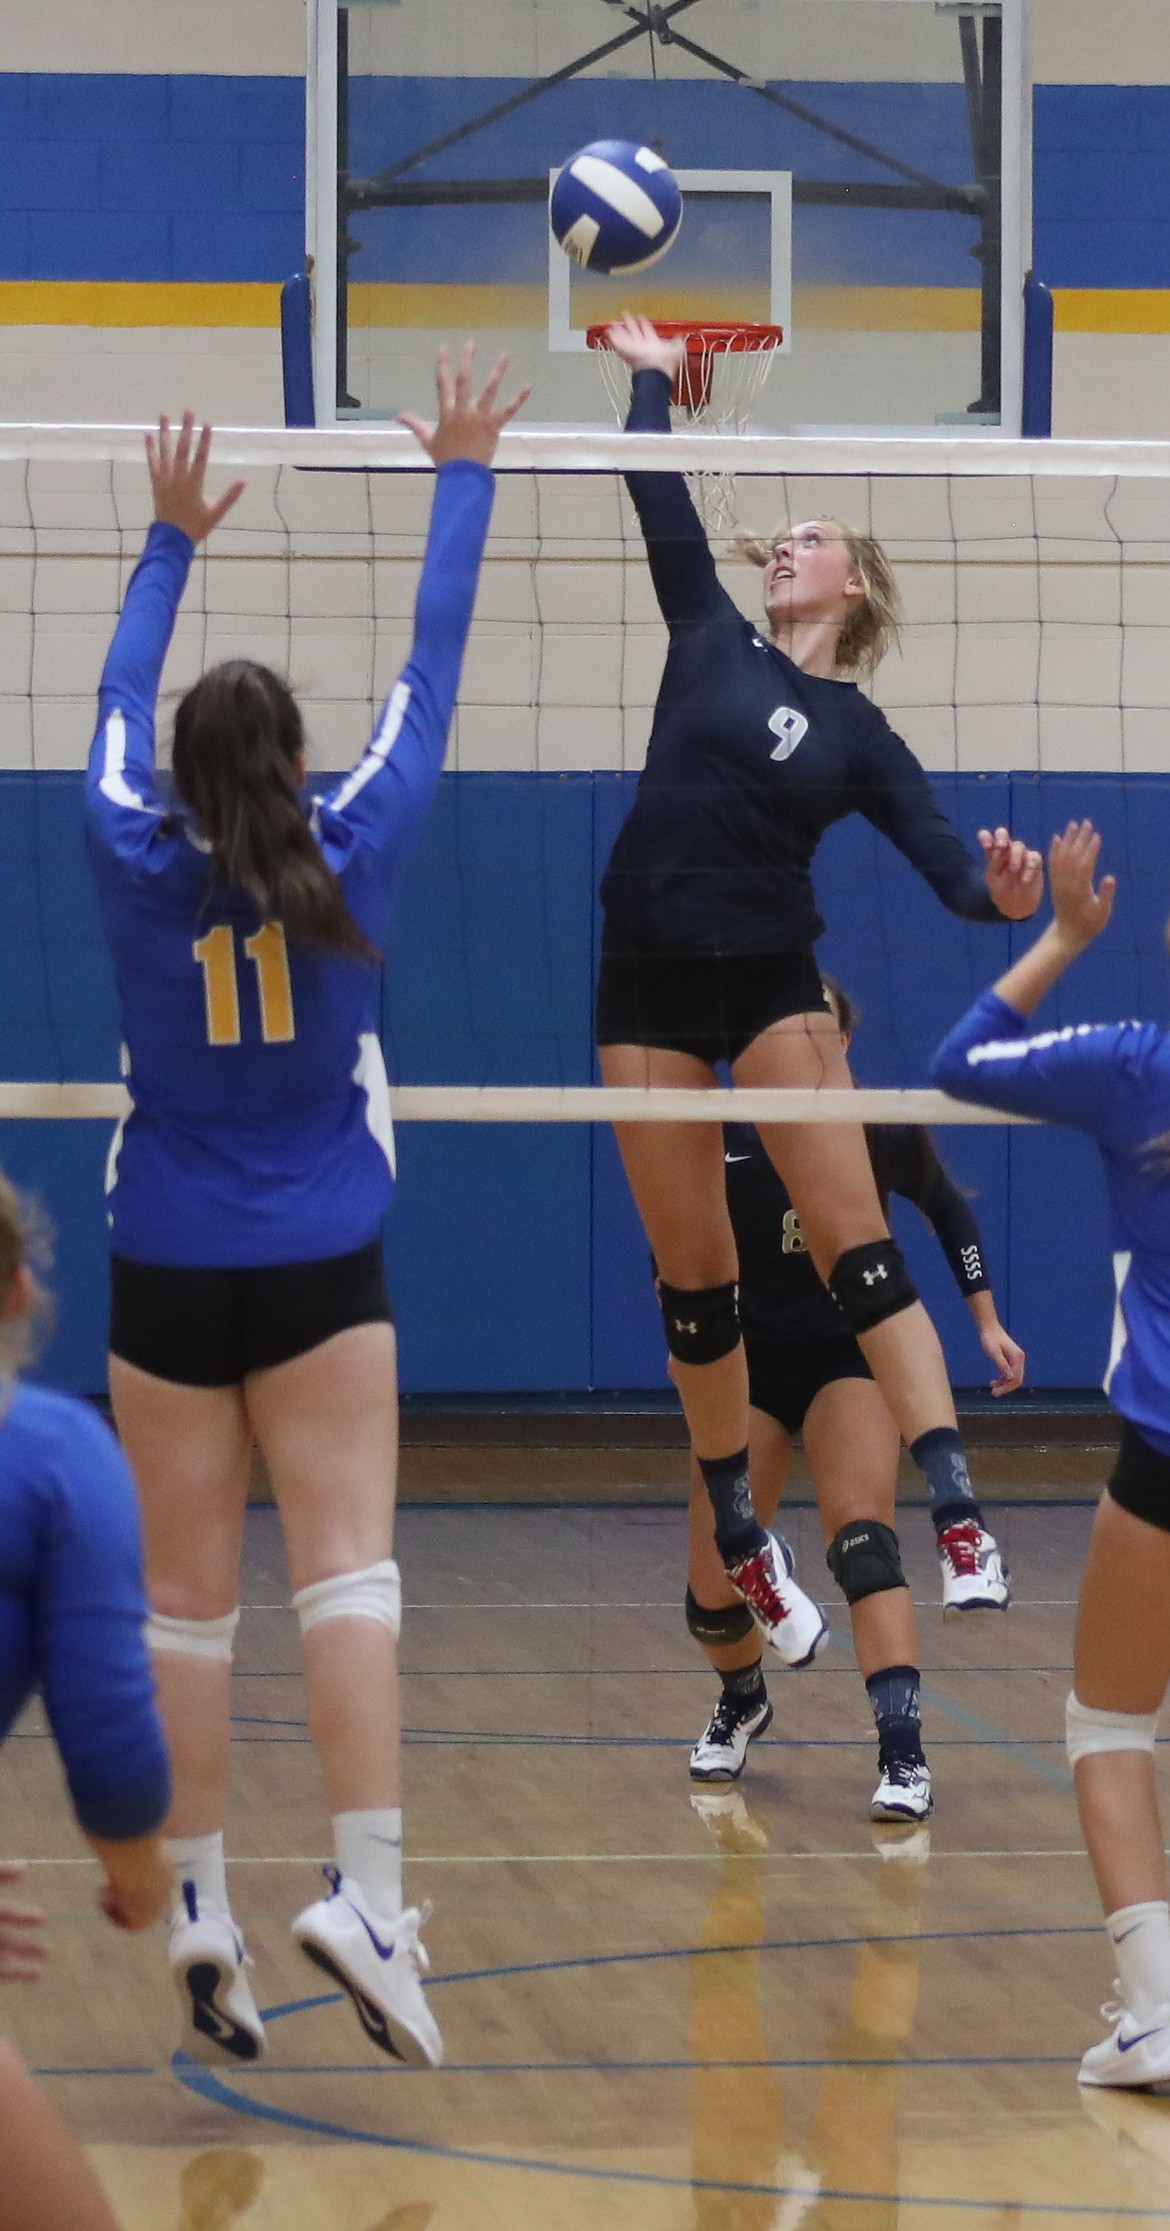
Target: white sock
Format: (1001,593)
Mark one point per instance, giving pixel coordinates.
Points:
(199,1861)
(1140,1936)
(368,1848)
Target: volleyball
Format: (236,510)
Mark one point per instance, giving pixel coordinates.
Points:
(615,206)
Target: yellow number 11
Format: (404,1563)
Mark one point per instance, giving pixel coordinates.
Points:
(216,955)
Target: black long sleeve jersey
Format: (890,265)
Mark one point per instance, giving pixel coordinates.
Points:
(749,762)
(781,1298)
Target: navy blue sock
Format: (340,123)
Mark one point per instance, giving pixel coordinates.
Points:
(939,1457)
(893,1694)
(746,1684)
(738,1532)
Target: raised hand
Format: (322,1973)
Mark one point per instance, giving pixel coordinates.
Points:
(1015,875)
(177,473)
(22,1952)
(640,345)
(1082,910)
(468,426)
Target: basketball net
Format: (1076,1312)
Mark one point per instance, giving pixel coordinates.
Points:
(717,385)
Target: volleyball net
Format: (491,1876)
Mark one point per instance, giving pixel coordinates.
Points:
(1033,683)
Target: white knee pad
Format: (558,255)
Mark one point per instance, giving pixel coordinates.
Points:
(375,1593)
(194,1638)
(1088,1731)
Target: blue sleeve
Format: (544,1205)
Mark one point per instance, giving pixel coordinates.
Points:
(1109,1079)
(123,803)
(377,810)
(895,795)
(93,1666)
(682,569)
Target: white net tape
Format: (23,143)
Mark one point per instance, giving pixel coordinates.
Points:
(566,1104)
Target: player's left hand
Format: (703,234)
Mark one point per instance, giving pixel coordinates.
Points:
(1015,874)
(1007,1356)
(177,472)
(22,1952)
(469,425)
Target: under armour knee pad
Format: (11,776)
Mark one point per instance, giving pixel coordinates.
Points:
(864,1560)
(373,1593)
(193,1638)
(702,1322)
(1087,1730)
(718,1628)
(871,1283)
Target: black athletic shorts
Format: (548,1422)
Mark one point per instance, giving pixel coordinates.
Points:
(785,1376)
(210,1328)
(710,1005)
(1140,1480)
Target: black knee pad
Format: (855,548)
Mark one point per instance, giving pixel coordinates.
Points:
(871,1283)
(864,1560)
(718,1628)
(702,1322)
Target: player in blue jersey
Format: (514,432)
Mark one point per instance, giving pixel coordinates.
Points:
(807,1376)
(1112,1081)
(758,744)
(246,1195)
(72,1611)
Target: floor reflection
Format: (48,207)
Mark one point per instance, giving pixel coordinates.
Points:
(739,2129)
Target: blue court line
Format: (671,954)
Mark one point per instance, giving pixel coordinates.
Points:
(622,1673)
(205,2083)
(765,1944)
(108,2070)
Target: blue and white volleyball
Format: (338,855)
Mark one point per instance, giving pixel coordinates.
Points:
(615,206)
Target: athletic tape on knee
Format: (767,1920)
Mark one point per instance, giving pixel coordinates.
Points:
(702,1322)
(718,1629)
(193,1638)
(871,1283)
(375,1593)
(1088,1731)
(864,1560)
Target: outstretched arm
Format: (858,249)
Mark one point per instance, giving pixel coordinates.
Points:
(893,792)
(1095,1077)
(380,805)
(123,799)
(681,566)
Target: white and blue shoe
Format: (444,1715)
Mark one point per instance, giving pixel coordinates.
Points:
(722,1749)
(903,1792)
(789,1620)
(1136,2054)
(379,1964)
(220,2019)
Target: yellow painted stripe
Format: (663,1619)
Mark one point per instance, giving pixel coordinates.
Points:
(127,302)
(442,307)
(1112,309)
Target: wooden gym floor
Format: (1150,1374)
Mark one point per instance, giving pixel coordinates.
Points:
(747,2014)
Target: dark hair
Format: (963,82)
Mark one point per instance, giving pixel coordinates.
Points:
(238,738)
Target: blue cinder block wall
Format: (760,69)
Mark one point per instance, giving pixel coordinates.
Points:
(515,1257)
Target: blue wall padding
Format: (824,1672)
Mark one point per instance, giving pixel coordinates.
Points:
(111,176)
(516,1260)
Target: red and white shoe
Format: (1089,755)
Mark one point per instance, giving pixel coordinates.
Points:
(974,1575)
(787,1618)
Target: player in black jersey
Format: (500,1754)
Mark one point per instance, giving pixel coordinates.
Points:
(759,742)
(807,1375)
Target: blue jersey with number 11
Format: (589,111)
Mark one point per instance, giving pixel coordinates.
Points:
(260,1126)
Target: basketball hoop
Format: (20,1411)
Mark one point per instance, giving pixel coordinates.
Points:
(717,385)
(743,353)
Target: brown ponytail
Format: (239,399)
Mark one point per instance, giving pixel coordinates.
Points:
(238,739)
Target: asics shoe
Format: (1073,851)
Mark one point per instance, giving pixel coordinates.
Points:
(785,1616)
(220,2018)
(1136,2053)
(379,1963)
(974,1575)
(722,1748)
(903,1792)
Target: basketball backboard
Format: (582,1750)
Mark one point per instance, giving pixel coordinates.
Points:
(864,163)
